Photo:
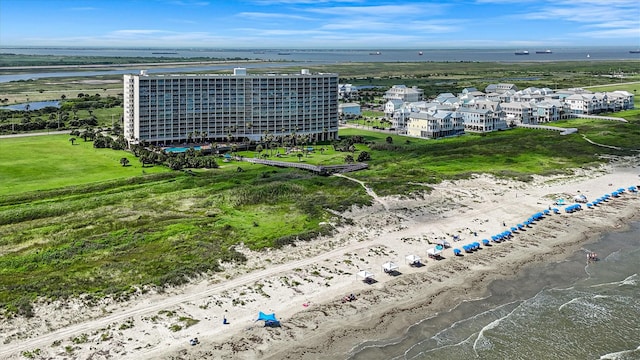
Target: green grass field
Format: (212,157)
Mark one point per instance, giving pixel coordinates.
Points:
(49,162)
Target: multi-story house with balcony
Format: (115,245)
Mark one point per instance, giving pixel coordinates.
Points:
(404,93)
(434,126)
(164,109)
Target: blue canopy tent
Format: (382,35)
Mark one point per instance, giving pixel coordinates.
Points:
(632,189)
(457,252)
(269,319)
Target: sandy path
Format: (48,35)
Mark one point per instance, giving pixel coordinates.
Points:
(145,308)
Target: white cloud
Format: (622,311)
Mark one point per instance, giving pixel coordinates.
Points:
(264,15)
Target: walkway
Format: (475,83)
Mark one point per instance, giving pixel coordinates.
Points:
(322,170)
(563,131)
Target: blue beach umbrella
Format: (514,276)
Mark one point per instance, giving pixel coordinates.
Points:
(457,252)
(547,211)
(485,242)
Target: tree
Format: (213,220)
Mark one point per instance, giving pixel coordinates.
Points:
(364,156)
(299,157)
(124,161)
(348,159)
(72,140)
(389,140)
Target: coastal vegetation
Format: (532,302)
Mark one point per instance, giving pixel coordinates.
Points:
(80,221)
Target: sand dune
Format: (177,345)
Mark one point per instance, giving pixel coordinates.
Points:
(304,284)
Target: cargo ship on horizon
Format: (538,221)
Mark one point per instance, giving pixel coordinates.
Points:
(544,52)
(522,52)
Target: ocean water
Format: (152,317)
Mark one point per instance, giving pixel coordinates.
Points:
(303,57)
(564,310)
(347,55)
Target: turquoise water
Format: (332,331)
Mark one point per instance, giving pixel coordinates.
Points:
(565,310)
(180,149)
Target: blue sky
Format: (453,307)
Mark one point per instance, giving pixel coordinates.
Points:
(320,23)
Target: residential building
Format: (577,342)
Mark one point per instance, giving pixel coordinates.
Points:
(175,107)
(404,93)
(434,126)
(500,88)
(482,120)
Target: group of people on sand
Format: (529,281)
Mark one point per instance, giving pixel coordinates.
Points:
(592,256)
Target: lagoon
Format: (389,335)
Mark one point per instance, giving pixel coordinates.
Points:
(34,105)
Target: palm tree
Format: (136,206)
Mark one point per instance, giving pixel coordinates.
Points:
(124,161)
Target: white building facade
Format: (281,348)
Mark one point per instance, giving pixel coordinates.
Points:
(171,108)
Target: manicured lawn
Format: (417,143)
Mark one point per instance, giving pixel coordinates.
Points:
(49,162)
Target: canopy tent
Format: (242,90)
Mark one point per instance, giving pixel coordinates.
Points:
(365,275)
(434,252)
(269,319)
(445,243)
(580,198)
(457,252)
(389,267)
(413,259)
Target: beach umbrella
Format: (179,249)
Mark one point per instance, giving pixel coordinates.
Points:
(547,211)
(457,252)
(520,226)
(514,229)
(485,242)
(632,189)
(477,245)
(439,247)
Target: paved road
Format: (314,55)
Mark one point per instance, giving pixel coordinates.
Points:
(35,134)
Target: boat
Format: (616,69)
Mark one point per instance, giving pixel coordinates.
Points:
(544,52)
(522,52)
(634,51)
(284,53)
(420,52)
(375,53)
(164,53)
(588,56)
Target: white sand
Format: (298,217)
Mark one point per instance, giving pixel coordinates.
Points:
(303,285)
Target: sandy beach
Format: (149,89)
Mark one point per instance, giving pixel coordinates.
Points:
(304,284)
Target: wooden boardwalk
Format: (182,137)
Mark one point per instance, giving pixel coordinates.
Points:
(321,170)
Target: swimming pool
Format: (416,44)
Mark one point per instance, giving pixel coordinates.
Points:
(180,149)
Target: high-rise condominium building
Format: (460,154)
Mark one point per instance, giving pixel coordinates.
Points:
(163,109)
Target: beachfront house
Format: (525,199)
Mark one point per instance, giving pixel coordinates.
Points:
(434,126)
(482,120)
